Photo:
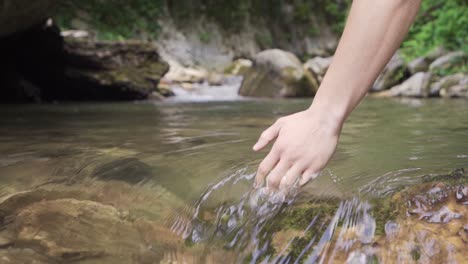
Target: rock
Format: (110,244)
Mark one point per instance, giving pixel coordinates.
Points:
(448,62)
(420,64)
(66,229)
(278,73)
(318,66)
(436,53)
(238,67)
(39,64)
(180,74)
(19,15)
(114,70)
(416,86)
(459,89)
(392,74)
(445,84)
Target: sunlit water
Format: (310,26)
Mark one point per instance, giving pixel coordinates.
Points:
(187,169)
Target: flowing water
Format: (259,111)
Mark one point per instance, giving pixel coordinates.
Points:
(171,183)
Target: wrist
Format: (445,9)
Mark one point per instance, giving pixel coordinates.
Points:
(325,119)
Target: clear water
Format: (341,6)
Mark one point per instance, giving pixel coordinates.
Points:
(168,163)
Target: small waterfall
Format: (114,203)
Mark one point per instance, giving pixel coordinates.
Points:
(201,92)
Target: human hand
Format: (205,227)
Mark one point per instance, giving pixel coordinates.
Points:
(305,142)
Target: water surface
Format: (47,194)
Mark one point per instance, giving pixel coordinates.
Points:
(167,163)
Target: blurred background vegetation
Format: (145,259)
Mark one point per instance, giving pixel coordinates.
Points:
(439,23)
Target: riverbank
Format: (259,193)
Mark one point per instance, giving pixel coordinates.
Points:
(45,63)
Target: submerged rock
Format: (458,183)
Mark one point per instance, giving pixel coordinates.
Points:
(278,73)
(424,223)
(62,229)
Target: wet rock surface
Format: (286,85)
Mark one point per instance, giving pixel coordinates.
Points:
(423,223)
(59,228)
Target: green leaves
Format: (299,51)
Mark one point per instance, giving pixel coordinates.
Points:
(439,23)
(113,19)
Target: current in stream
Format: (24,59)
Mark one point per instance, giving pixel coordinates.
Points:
(172,183)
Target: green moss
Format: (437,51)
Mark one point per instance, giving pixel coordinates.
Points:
(455,177)
(384,210)
(205,36)
(298,218)
(415,254)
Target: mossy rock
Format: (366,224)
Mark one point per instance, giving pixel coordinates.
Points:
(126,67)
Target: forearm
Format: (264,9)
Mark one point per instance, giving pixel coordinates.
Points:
(373,32)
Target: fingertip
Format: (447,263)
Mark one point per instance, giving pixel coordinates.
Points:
(306,177)
(258,146)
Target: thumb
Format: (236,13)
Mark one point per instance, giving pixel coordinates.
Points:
(267,136)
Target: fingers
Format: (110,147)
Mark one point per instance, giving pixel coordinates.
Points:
(274,178)
(290,178)
(265,167)
(267,136)
(307,176)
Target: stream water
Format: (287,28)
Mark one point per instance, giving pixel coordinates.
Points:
(180,173)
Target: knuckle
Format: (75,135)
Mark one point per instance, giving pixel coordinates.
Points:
(272,182)
(262,169)
(281,148)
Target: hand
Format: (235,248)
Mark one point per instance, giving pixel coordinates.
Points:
(305,142)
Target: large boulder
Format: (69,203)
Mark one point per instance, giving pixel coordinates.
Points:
(64,230)
(19,15)
(416,86)
(393,73)
(124,69)
(39,64)
(278,73)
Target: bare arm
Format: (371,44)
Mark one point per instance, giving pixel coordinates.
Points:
(305,141)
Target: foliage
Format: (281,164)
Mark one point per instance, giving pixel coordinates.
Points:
(439,23)
(113,19)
